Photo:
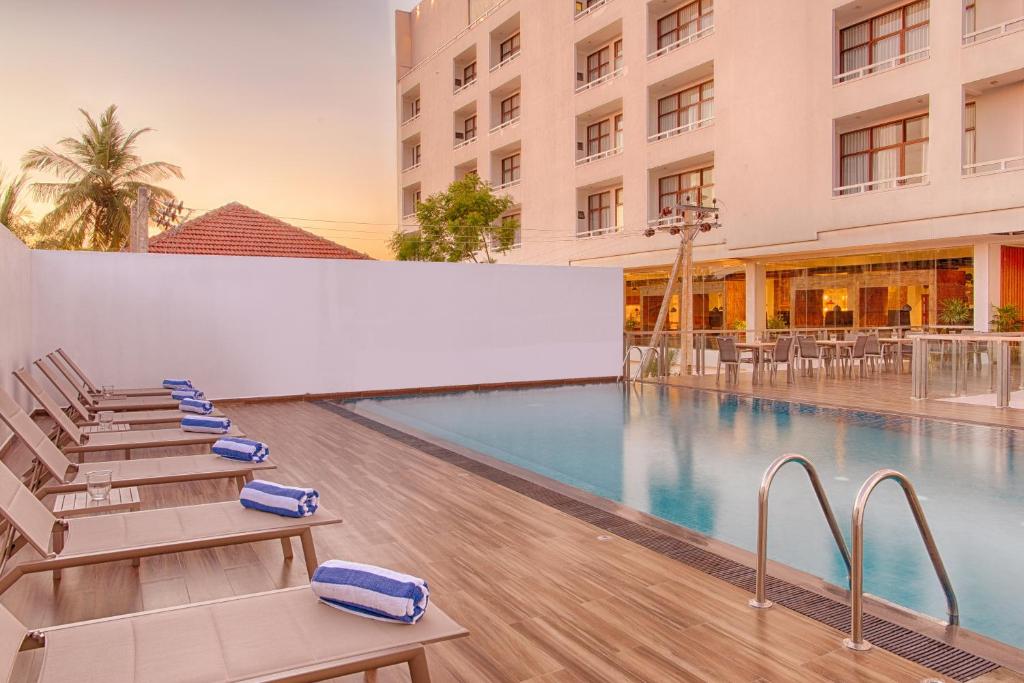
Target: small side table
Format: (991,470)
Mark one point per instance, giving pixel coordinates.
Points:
(79,503)
(113,427)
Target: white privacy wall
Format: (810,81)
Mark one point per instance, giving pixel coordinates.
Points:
(246,327)
(15,315)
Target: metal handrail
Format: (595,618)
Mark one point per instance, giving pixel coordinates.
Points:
(856,640)
(626,360)
(759,600)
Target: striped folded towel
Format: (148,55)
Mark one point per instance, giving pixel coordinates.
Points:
(195,405)
(177,384)
(287,501)
(205,423)
(241,449)
(182,394)
(370,591)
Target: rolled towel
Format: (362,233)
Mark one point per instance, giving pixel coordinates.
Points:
(370,591)
(195,405)
(241,449)
(182,394)
(206,423)
(287,501)
(177,384)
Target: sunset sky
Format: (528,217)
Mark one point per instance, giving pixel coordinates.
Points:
(284,105)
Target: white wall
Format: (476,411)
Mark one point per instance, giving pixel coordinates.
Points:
(242,327)
(15,315)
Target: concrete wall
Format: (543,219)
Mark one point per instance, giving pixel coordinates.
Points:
(242,327)
(15,315)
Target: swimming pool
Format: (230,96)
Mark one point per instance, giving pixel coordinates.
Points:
(696,458)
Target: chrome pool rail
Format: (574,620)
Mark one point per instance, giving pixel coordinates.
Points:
(759,600)
(856,640)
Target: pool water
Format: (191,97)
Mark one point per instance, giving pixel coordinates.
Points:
(696,458)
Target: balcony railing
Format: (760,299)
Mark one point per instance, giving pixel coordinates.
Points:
(885,65)
(883,184)
(997,166)
(411,168)
(599,155)
(685,128)
(685,40)
(993,32)
(598,81)
(459,144)
(409,219)
(587,234)
(463,87)
(410,120)
(508,185)
(506,124)
(508,60)
(593,8)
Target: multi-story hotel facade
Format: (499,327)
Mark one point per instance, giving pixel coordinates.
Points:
(867,157)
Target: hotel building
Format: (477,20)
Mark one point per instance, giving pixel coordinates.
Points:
(867,157)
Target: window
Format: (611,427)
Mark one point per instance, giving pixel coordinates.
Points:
(684,22)
(599,211)
(510,108)
(689,187)
(416,154)
(618,54)
(970,17)
(884,38)
(469,128)
(508,48)
(416,196)
(686,107)
(599,64)
(517,241)
(619,212)
(883,152)
(599,137)
(414,108)
(618,131)
(469,74)
(510,169)
(970,134)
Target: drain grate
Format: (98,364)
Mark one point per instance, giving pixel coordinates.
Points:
(911,645)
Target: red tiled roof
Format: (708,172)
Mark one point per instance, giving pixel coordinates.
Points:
(237,230)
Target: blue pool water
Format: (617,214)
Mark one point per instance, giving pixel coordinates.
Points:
(696,458)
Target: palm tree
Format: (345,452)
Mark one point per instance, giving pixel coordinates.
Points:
(13,214)
(100,175)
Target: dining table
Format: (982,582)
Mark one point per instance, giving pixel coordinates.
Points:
(757,352)
(836,348)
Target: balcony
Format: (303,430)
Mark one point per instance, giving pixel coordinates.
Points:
(993,140)
(599,81)
(883,184)
(509,184)
(682,104)
(585,9)
(671,26)
(615,151)
(879,67)
(599,57)
(464,70)
(998,19)
(502,126)
(461,144)
(506,45)
(873,43)
(679,130)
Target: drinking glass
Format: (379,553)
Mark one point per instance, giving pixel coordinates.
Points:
(106,419)
(108,391)
(97,484)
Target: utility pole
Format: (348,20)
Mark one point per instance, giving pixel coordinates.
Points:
(138,234)
(686,220)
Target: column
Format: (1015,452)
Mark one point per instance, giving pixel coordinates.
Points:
(755,281)
(986,283)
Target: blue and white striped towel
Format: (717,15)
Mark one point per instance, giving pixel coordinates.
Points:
(370,591)
(177,384)
(206,424)
(182,394)
(241,449)
(195,405)
(287,501)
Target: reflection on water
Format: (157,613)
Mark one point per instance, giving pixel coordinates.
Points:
(696,458)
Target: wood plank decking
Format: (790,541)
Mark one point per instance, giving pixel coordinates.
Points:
(546,599)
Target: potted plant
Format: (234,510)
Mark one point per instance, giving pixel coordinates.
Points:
(955,312)
(1006,318)
(776,323)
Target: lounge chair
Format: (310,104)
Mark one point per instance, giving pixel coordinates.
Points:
(82,442)
(82,541)
(84,415)
(64,476)
(118,402)
(89,385)
(277,636)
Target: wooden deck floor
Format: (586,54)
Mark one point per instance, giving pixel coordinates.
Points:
(545,599)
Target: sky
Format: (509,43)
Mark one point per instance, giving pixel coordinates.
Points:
(284,105)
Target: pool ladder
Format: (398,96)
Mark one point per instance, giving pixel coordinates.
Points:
(854,563)
(627,374)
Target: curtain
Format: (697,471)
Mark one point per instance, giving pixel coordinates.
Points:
(885,164)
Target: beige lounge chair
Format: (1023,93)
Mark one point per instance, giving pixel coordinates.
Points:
(86,416)
(82,541)
(91,387)
(117,402)
(64,476)
(273,637)
(84,441)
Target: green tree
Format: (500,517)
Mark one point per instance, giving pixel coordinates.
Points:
(13,213)
(99,176)
(460,224)
(1006,318)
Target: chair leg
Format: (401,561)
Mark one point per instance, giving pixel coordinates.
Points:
(309,551)
(286,546)
(418,670)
